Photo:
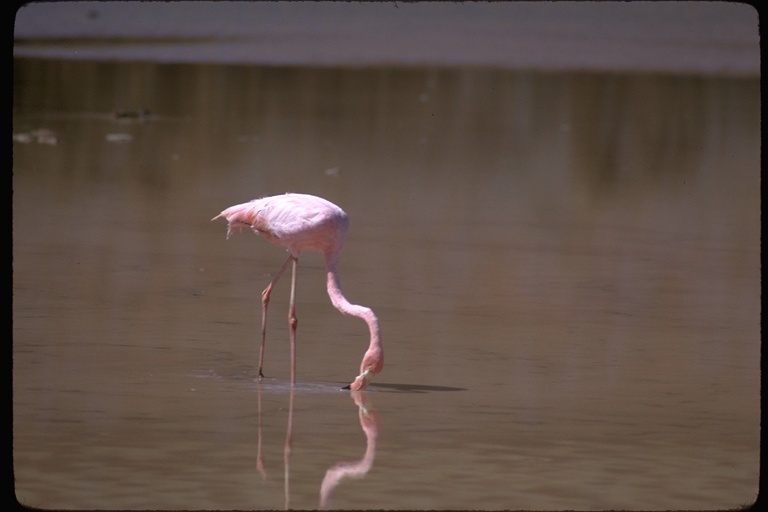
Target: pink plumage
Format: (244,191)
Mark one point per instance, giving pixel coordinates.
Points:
(302,222)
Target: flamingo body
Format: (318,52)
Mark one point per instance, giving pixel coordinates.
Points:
(298,222)
(302,222)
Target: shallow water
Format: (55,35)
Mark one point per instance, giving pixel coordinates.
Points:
(565,267)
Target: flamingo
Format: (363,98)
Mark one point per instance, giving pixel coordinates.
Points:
(302,222)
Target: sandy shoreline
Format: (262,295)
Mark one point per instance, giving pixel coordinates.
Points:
(683,37)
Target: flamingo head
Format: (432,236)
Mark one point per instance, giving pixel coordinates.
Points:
(361,381)
(373,362)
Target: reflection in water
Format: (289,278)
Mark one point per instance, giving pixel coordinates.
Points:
(369,422)
(287,446)
(585,269)
(259,453)
(287,451)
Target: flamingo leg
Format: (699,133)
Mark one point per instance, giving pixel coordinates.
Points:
(292,320)
(264,304)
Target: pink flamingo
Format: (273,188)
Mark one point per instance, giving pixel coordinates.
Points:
(301,222)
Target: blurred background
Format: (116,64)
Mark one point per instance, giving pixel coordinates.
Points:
(555,213)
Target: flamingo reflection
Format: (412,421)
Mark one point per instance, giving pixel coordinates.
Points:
(286,448)
(369,422)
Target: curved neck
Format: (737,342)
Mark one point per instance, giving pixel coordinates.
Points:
(345,307)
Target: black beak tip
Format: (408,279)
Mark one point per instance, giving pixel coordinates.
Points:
(346,387)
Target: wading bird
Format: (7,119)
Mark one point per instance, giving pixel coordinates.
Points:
(301,222)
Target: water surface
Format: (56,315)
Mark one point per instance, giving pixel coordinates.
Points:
(565,267)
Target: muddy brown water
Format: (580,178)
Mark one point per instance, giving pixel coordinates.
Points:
(565,267)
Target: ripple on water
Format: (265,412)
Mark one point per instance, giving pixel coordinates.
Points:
(271,385)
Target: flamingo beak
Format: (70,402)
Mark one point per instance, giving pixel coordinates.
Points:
(361,381)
